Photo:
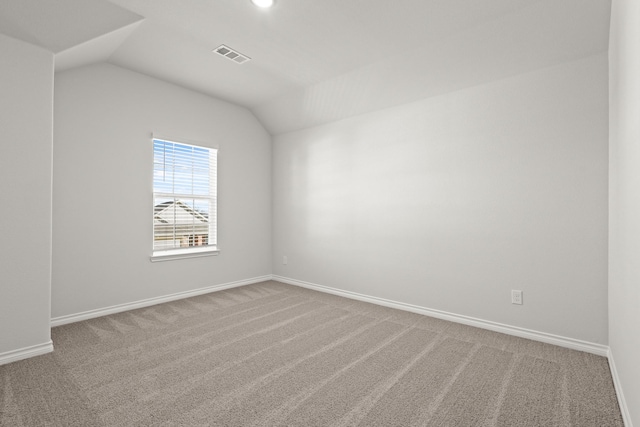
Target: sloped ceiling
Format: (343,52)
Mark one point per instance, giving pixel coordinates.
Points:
(315,61)
(57,25)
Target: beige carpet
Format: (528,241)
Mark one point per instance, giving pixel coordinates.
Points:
(271,354)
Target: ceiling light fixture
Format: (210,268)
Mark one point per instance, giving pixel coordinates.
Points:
(263,3)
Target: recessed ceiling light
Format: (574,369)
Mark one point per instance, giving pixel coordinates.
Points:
(263,3)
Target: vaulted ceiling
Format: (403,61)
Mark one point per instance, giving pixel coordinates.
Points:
(314,61)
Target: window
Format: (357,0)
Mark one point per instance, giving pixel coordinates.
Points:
(184,200)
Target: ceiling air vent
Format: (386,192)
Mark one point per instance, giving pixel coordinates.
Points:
(231,54)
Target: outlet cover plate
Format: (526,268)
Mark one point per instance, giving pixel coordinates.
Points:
(516,297)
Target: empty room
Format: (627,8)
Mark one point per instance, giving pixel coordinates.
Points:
(320,213)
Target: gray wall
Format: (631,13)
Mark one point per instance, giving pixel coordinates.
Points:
(450,202)
(26,109)
(102,189)
(624,210)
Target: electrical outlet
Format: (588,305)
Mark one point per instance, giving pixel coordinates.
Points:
(284,260)
(516,297)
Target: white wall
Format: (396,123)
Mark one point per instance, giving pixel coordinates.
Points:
(26,113)
(624,211)
(450,202)
(102,189)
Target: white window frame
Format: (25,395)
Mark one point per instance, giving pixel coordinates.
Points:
(192,251)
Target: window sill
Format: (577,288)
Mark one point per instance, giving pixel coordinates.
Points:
(174,254)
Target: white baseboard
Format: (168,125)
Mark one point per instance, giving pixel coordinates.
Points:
(598,349)
(624,409)
(71,318)
(25,353)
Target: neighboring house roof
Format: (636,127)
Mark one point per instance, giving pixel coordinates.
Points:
(177,212)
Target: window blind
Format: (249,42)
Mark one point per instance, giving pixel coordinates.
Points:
(184,196)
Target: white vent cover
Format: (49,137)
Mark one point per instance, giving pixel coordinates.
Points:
(231,54)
